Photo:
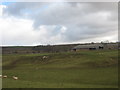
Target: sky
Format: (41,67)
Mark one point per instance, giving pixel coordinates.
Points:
(42,23)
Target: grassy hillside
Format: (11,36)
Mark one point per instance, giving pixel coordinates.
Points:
(85,69)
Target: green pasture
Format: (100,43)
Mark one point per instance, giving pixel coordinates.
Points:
(84,69)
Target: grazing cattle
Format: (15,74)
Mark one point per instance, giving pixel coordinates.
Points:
(5,76)
(15,78)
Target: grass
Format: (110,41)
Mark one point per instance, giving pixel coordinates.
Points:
(85,69)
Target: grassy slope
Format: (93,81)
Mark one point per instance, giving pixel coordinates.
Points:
(86,69)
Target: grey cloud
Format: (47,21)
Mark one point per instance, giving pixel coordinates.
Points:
(82,20)
(19,8)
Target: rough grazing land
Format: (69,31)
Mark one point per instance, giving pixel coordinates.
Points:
(84,69)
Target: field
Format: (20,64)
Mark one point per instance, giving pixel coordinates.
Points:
(84,69)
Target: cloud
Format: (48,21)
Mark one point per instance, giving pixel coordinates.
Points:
(55,23)
(1,9)
(20,32)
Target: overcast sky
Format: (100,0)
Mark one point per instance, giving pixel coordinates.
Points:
(35,23)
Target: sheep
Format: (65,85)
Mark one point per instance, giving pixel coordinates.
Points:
(44,57)
(36,68)
(0,76)
(100,53)
(5,76)
(15,78)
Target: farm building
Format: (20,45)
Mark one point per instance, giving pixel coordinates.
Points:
(88,47)
(111,46)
